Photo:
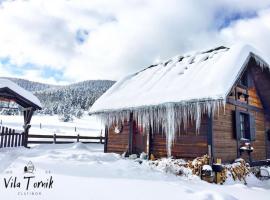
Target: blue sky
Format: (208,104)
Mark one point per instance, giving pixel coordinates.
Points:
(68,41)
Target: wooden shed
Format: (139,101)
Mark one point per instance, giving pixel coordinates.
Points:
(214,102)
(11,92)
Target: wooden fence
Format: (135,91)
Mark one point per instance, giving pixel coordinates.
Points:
(63,139)
(10,138)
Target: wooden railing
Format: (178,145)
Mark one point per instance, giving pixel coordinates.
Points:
(10,138)
(63,139)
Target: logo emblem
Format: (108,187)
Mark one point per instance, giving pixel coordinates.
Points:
(29,168)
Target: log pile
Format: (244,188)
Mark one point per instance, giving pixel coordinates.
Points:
(239,170)
(197,164)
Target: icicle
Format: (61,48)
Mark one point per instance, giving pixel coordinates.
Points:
(169,116)
(170,128)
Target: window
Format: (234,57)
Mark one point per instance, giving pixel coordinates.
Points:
(244,126)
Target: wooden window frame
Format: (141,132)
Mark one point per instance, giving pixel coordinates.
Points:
(252,125)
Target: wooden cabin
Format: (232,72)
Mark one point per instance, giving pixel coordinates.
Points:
(219,103)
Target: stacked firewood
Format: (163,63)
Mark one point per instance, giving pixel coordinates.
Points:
(197,164)
(223,175)
(239,170)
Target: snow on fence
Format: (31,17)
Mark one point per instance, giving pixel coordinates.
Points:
(10,138)
(63,139)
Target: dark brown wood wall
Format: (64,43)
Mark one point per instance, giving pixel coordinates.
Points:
(188,143)
(118,143)
(224,142)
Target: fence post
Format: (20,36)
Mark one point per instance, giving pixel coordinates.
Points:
(78,138)
(9,137)
(40,126)
(2,137)
(12,137)
(54,138)
(16,139)
(5,137)
(75,129)
(20,140)
(100,137)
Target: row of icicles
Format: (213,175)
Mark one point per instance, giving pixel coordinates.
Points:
(167,117)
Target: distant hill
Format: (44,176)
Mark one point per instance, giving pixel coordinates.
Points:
(67,101)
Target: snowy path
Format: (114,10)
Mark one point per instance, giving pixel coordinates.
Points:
(84,172)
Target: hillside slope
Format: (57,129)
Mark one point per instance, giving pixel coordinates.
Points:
(67,101)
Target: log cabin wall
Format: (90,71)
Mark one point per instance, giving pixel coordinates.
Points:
(246,99)
(118,142)
(268,137)
(188,144)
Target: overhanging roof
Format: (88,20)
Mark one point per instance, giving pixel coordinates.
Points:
(11,91)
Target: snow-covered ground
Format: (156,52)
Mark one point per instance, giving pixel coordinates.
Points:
(86,126)
(83,172)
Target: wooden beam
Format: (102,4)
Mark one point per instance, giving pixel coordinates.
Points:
(106,139)
(150,142)
(210,136)
(244,105)
(130,135)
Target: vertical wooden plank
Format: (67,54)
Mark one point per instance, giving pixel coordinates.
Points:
(54,138)
(150,135)
(210,137)
(78,138)
(16,139)
(9,137)
(2,137)
(5,137)
(19,140)
(106,139)
(23,139)
(130,134)
(12,138)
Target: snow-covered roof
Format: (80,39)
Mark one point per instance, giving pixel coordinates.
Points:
(24,94)
(206,75)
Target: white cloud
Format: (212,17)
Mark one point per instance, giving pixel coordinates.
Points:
(124,36)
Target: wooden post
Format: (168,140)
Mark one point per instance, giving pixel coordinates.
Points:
(218,174)
(9,137)
(16,139)
(78,138)
(210,138)
(130,138)
(28,113)
(5,136)
(40,126)
(106,139)
(149,142)
(100,140)
(54,138)
(12,138)
(75,129)
(2,137)
(20,140)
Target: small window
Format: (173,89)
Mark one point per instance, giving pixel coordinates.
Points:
(244,126)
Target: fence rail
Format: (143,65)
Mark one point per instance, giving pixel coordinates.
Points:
(69,139)
(10,138)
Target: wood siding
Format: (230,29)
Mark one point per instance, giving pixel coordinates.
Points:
(118,143)
(224,142)
(188,143)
